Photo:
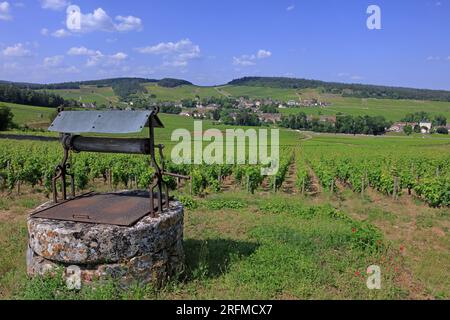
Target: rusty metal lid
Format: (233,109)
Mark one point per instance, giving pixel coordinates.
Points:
(121,209)
(112,122)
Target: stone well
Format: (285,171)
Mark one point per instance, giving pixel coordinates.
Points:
(149,251)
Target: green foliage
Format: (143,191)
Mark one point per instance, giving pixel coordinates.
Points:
(366,237)
(408,130)
(188,202)
(6,118)
(14,94)
(172,83)
(128,87)
(225,204)
(53,287)
(368,125)
(435,190)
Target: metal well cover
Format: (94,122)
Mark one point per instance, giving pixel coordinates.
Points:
(118,122)
(111,209)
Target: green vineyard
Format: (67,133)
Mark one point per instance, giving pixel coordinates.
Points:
(393,173)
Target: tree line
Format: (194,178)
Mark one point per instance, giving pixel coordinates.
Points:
(422,116)
(368,125)
(13,94)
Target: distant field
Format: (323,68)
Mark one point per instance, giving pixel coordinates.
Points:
(391,109)
(262,92)
(182,92)
(89,94)
(28,114)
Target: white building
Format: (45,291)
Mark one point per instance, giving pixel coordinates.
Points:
(425,127)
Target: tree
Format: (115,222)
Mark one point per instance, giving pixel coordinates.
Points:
(417,129)
(440,120)
(6,118)
(408,130)
(442,130)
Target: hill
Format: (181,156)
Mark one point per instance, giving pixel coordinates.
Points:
(351,99)
(345,89)
(166,82)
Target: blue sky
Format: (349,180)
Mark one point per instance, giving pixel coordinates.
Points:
(212,42)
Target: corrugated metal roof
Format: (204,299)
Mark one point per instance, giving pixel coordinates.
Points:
(115,122)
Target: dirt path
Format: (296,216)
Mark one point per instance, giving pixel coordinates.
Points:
(316,188)
(289,184)
(222,92)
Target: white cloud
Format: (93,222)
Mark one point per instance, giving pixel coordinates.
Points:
(61,33)
(54,4)
(243,61)
(96,57)
(250,60)
(356,77)
(70,69)
(263,54)
(5,11)
(128,23)
(44,32)
(18,50)
(119,56)
(99,20)
(433,58)
(81,51)
(176,54)
(54,61)
(290,8)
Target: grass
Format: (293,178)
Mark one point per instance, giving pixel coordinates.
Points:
(283,246)
(276,246)
(303,252)
(28,114)
(89,94)
(408,222)
(182,92)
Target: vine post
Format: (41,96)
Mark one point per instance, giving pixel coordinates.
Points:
(396,188)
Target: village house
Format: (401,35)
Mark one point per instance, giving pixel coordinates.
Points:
(332,119)
(88,106)
(212,107)
(293,103)
(399,127)
(425,127)
(270,117)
